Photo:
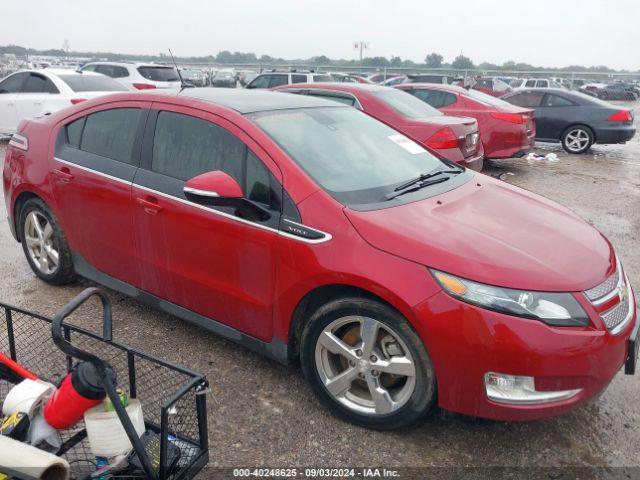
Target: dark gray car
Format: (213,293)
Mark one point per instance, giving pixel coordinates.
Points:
(574,119)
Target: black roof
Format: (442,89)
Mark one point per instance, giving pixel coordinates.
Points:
(250,101)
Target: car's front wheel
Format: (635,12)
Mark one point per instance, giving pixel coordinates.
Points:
(577,139)
(365,362)
(44,244)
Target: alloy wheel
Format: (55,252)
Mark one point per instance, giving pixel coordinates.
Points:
(577,140)
(365,365)
(39,238)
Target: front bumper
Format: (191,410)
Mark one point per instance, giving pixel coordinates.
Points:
(465,342)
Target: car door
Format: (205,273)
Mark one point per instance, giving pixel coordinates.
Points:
(557,112)
(96,156)
(261,81)
(210,260)
(37,92)
(10,89)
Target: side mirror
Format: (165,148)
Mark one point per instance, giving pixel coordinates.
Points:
(219,189)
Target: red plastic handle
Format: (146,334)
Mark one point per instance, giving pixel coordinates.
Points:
(16,368)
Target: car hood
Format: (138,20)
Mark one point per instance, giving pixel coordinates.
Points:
(495,233)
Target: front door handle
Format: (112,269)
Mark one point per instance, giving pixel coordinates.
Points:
(64,174)
(150,205)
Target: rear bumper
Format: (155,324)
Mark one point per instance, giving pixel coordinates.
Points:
(615,134)
(466,342)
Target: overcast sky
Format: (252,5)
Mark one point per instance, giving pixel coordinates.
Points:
(551,33)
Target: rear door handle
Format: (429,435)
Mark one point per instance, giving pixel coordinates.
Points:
(150,205)
(64,174)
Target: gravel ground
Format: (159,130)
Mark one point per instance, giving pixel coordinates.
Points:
(263,414)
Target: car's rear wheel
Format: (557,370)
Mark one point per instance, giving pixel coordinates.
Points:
(577,139)
(44,244)
(365,362)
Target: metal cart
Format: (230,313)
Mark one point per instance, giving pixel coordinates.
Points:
(172,397)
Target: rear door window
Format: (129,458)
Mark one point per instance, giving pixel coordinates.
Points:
(13,84)
(435,98)
(277,80)
(92,83)
(113,71)
(37,83)
(322,78)
(298,78)
(527,99)
(111,133)
(552,100)
(344,99)
(530,83)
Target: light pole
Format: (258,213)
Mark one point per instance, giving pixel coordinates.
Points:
(361,45)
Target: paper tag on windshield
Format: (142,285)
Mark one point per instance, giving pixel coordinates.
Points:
(406,143)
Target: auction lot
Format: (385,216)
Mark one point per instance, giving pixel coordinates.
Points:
(263,414)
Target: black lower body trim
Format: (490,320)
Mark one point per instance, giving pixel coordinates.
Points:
(276,349)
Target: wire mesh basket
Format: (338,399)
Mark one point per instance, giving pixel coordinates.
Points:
(172,397)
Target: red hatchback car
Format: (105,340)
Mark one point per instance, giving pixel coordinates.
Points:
(506,131)
(456,139)
(306,229)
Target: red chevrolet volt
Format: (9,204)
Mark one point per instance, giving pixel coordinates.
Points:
(305,229)
(456,139)
(506,131)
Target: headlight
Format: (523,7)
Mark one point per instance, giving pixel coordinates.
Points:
(559,309)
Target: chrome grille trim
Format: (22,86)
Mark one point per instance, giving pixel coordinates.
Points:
(598,293)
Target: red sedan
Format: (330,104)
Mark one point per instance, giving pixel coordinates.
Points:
(506,130)
(456,139)
(305,229)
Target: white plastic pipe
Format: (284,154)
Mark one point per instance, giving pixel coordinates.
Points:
(28,460)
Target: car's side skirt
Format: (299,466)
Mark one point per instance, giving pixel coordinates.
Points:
(276,349)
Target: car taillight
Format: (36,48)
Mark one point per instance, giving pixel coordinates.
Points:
(444,138)
(621,116)
(144,86)
(510,117)
(76,101)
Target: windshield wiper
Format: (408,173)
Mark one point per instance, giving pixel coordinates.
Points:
(425,176)
(417,185)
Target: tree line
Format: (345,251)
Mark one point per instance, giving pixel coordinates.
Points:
(432,60)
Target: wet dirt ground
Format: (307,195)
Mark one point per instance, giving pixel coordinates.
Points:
(263,414)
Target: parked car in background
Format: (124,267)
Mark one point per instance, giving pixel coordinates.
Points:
(390,82)
(506,130)
(574,119)
(491,86)
(141,76)
(275,79)
(538,83)
(348,78)
(194,76)
(454,138)
(381,77)
(611,91)
(33,93)
(309,231)
(225,78)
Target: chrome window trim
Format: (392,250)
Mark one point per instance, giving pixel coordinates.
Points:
(201,193)
(91,170)
(326,238)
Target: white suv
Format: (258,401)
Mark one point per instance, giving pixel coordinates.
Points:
(275,79)
(141,76)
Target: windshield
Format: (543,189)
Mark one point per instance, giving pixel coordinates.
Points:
(486,99)
(80,82)
(354,157)
(159,74)
(407,105)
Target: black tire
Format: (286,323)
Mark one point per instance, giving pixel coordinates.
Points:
(64,272)
(424,391)
(574,132)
